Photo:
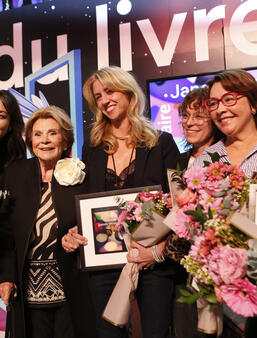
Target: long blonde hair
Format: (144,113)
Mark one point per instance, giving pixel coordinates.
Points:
(142,132)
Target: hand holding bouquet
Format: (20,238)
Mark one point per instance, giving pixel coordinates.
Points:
(143,218)
(218,259)
(142,221)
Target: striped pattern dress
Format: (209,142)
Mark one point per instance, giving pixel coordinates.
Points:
(42,280)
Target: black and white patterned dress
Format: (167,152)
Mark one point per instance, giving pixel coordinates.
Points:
(43,285)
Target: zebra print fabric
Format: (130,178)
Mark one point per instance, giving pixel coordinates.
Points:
(42,280)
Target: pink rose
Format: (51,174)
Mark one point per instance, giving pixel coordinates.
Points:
(187,196)
(145,196)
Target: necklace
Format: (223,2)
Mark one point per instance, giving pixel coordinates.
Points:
(114,167)
(121,137)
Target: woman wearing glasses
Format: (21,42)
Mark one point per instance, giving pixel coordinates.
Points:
(199,130)
(232,106)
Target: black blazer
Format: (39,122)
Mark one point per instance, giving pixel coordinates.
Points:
(151,164)
(23,179)
(150,169)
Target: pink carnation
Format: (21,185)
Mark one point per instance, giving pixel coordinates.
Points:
(213,186)
(122,218)
(187,196)
(241,297)
(227,264)
(195,178)
(181,218)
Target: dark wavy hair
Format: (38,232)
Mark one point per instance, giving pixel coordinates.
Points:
(12,146)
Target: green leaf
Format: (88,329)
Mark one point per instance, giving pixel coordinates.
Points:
(185,292)
(224,212)
(215,157)
(224,185)
(206,163)
(226,203)
(210,213)
(211,299)
(189,300)
(202,289)
(219,193)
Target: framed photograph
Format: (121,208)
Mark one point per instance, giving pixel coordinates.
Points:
(97,215)
(253,203)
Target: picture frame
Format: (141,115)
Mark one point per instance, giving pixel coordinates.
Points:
(97,214)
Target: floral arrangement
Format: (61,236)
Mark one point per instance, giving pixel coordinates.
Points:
(220,259)
(141,220)
(142,208)
(69,171)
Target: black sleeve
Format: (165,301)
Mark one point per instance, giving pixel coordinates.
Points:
(170,152)
(170,156)
(7,243)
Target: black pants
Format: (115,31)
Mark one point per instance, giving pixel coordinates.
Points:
(251,327)
(154,295)
(48,323)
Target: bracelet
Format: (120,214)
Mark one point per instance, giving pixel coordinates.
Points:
(156,257)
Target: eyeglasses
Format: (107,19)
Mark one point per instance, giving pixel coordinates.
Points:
(198,118)
(228,100)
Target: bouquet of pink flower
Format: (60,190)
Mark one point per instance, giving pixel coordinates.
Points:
(218,258)
(141,220)
(143,217)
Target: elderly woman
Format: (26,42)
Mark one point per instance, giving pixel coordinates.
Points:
(232,105)
(53,298)
(125,151)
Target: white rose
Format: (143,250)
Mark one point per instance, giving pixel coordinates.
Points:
(69,171)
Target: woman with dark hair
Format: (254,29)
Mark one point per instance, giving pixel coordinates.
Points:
(12,146)
(232,105)
(199,130)
(53,298)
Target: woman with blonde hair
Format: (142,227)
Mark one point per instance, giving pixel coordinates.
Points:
(125,151)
